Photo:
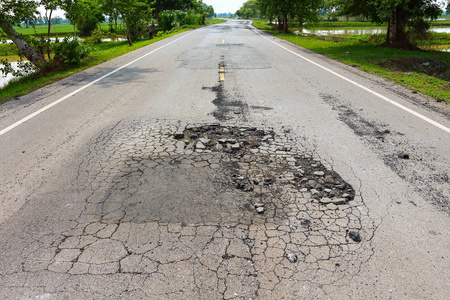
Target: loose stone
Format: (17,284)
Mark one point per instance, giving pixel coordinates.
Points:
(339,201)
(291,257)
(179,135)
(347,196)
(355,236)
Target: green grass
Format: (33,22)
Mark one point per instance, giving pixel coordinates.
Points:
(99,53)
(8,49)
(425,71)
(215,21)
(60,29)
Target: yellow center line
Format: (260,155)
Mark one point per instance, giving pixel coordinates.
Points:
(223,41)
(222,72)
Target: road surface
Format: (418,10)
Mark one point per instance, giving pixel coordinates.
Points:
(224,163)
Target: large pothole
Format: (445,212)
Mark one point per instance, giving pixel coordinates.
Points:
(213,174)
(253,212)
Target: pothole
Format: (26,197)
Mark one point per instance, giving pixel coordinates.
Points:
(224,196)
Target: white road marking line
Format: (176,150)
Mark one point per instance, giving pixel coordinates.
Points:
(438,125)
(18,123)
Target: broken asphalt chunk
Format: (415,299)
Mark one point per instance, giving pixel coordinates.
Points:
(291,257)
(355,236)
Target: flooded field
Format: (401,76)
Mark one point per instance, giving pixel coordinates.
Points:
(359,31)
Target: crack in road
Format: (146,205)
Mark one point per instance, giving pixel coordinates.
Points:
(401,155)
(171,209)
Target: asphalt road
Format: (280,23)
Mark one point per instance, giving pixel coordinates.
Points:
(224,163)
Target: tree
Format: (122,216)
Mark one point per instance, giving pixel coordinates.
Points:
(50,6)
(210,11)
(248,10)
(330,9)
(168,5)
(16,11)
(287,10)
(399,14)
(72,10)
(135,13)
(90,13)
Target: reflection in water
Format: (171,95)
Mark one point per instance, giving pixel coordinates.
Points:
(360,31)
(4,79)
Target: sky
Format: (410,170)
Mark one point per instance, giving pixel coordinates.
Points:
(225,6)
(220,6)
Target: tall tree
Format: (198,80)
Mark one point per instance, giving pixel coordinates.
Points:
(72,10)
(50,6)
(397,13)
(90,15)
(248,10)
(135,13)
(288,10)
(16,11)
(183,5)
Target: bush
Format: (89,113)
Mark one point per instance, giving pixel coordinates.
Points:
(202,19)
(88,25)
(69,52)
(418,29)
(377,39)
(167,20)
(190,19)
(96,37)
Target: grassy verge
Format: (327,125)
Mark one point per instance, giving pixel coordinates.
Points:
(99,53)
(425,71)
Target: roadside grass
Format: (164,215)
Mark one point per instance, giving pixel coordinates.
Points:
(427,72)
(99,53)
(215,21)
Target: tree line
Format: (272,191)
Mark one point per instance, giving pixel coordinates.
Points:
(402,16)
(138,16)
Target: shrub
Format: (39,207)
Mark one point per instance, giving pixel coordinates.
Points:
(96,37)
(69,52)
(88,25)
(167,20)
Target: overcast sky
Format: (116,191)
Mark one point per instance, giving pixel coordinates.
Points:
(225,6)
(220,6)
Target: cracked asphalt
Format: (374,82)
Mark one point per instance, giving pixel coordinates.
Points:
(220,167)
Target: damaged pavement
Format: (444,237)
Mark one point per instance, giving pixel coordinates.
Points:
(278,181)
(206,211)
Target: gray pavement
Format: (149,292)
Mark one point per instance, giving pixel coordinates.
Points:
(221,166)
